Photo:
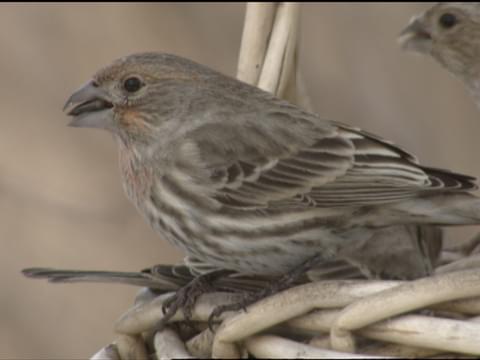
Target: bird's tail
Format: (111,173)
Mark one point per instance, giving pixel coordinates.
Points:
(445,209)
(440,209)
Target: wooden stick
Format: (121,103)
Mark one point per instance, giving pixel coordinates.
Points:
(169,346)
(406,297)
(274,65)
(256,33)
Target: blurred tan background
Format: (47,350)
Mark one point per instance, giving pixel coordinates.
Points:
(61,199)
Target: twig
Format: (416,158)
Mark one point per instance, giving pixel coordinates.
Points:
(406,297)
(131,347)
(169,346)
(256,32)
(279,58)
(269,51)
(269,346)
(109,352)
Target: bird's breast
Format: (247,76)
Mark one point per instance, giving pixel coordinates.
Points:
(137,177)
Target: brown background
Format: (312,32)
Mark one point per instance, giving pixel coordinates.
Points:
(61,200)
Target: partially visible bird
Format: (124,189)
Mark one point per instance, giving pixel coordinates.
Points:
(244,181)
(450,33)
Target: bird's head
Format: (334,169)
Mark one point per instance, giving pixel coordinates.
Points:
(136,94)
(450,33)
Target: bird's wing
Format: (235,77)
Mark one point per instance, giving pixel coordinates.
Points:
(250,165)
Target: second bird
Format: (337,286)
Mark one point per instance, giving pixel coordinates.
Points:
(450,33)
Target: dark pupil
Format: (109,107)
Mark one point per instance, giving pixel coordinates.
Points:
(448,20)
(132,84)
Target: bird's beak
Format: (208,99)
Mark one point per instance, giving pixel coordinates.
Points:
(416,37)
(90,107)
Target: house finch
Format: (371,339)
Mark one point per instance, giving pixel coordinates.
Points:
(244,181)
(450,33)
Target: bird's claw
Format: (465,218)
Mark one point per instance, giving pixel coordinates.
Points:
(219,310)
(186,297)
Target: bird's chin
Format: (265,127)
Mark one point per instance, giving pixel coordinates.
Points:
(100,119)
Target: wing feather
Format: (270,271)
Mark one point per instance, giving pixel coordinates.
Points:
(324,164)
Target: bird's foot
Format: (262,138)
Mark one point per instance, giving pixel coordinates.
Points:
(273,288)
(187,295)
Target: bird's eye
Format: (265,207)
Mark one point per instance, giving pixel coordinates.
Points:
(132,84)
(447,20)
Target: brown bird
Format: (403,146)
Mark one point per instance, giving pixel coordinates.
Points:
(450,33)
(244,181)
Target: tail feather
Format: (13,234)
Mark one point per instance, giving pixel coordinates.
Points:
(445,209)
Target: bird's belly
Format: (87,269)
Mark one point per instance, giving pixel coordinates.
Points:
(248,241)
(270,258)
(256,250)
